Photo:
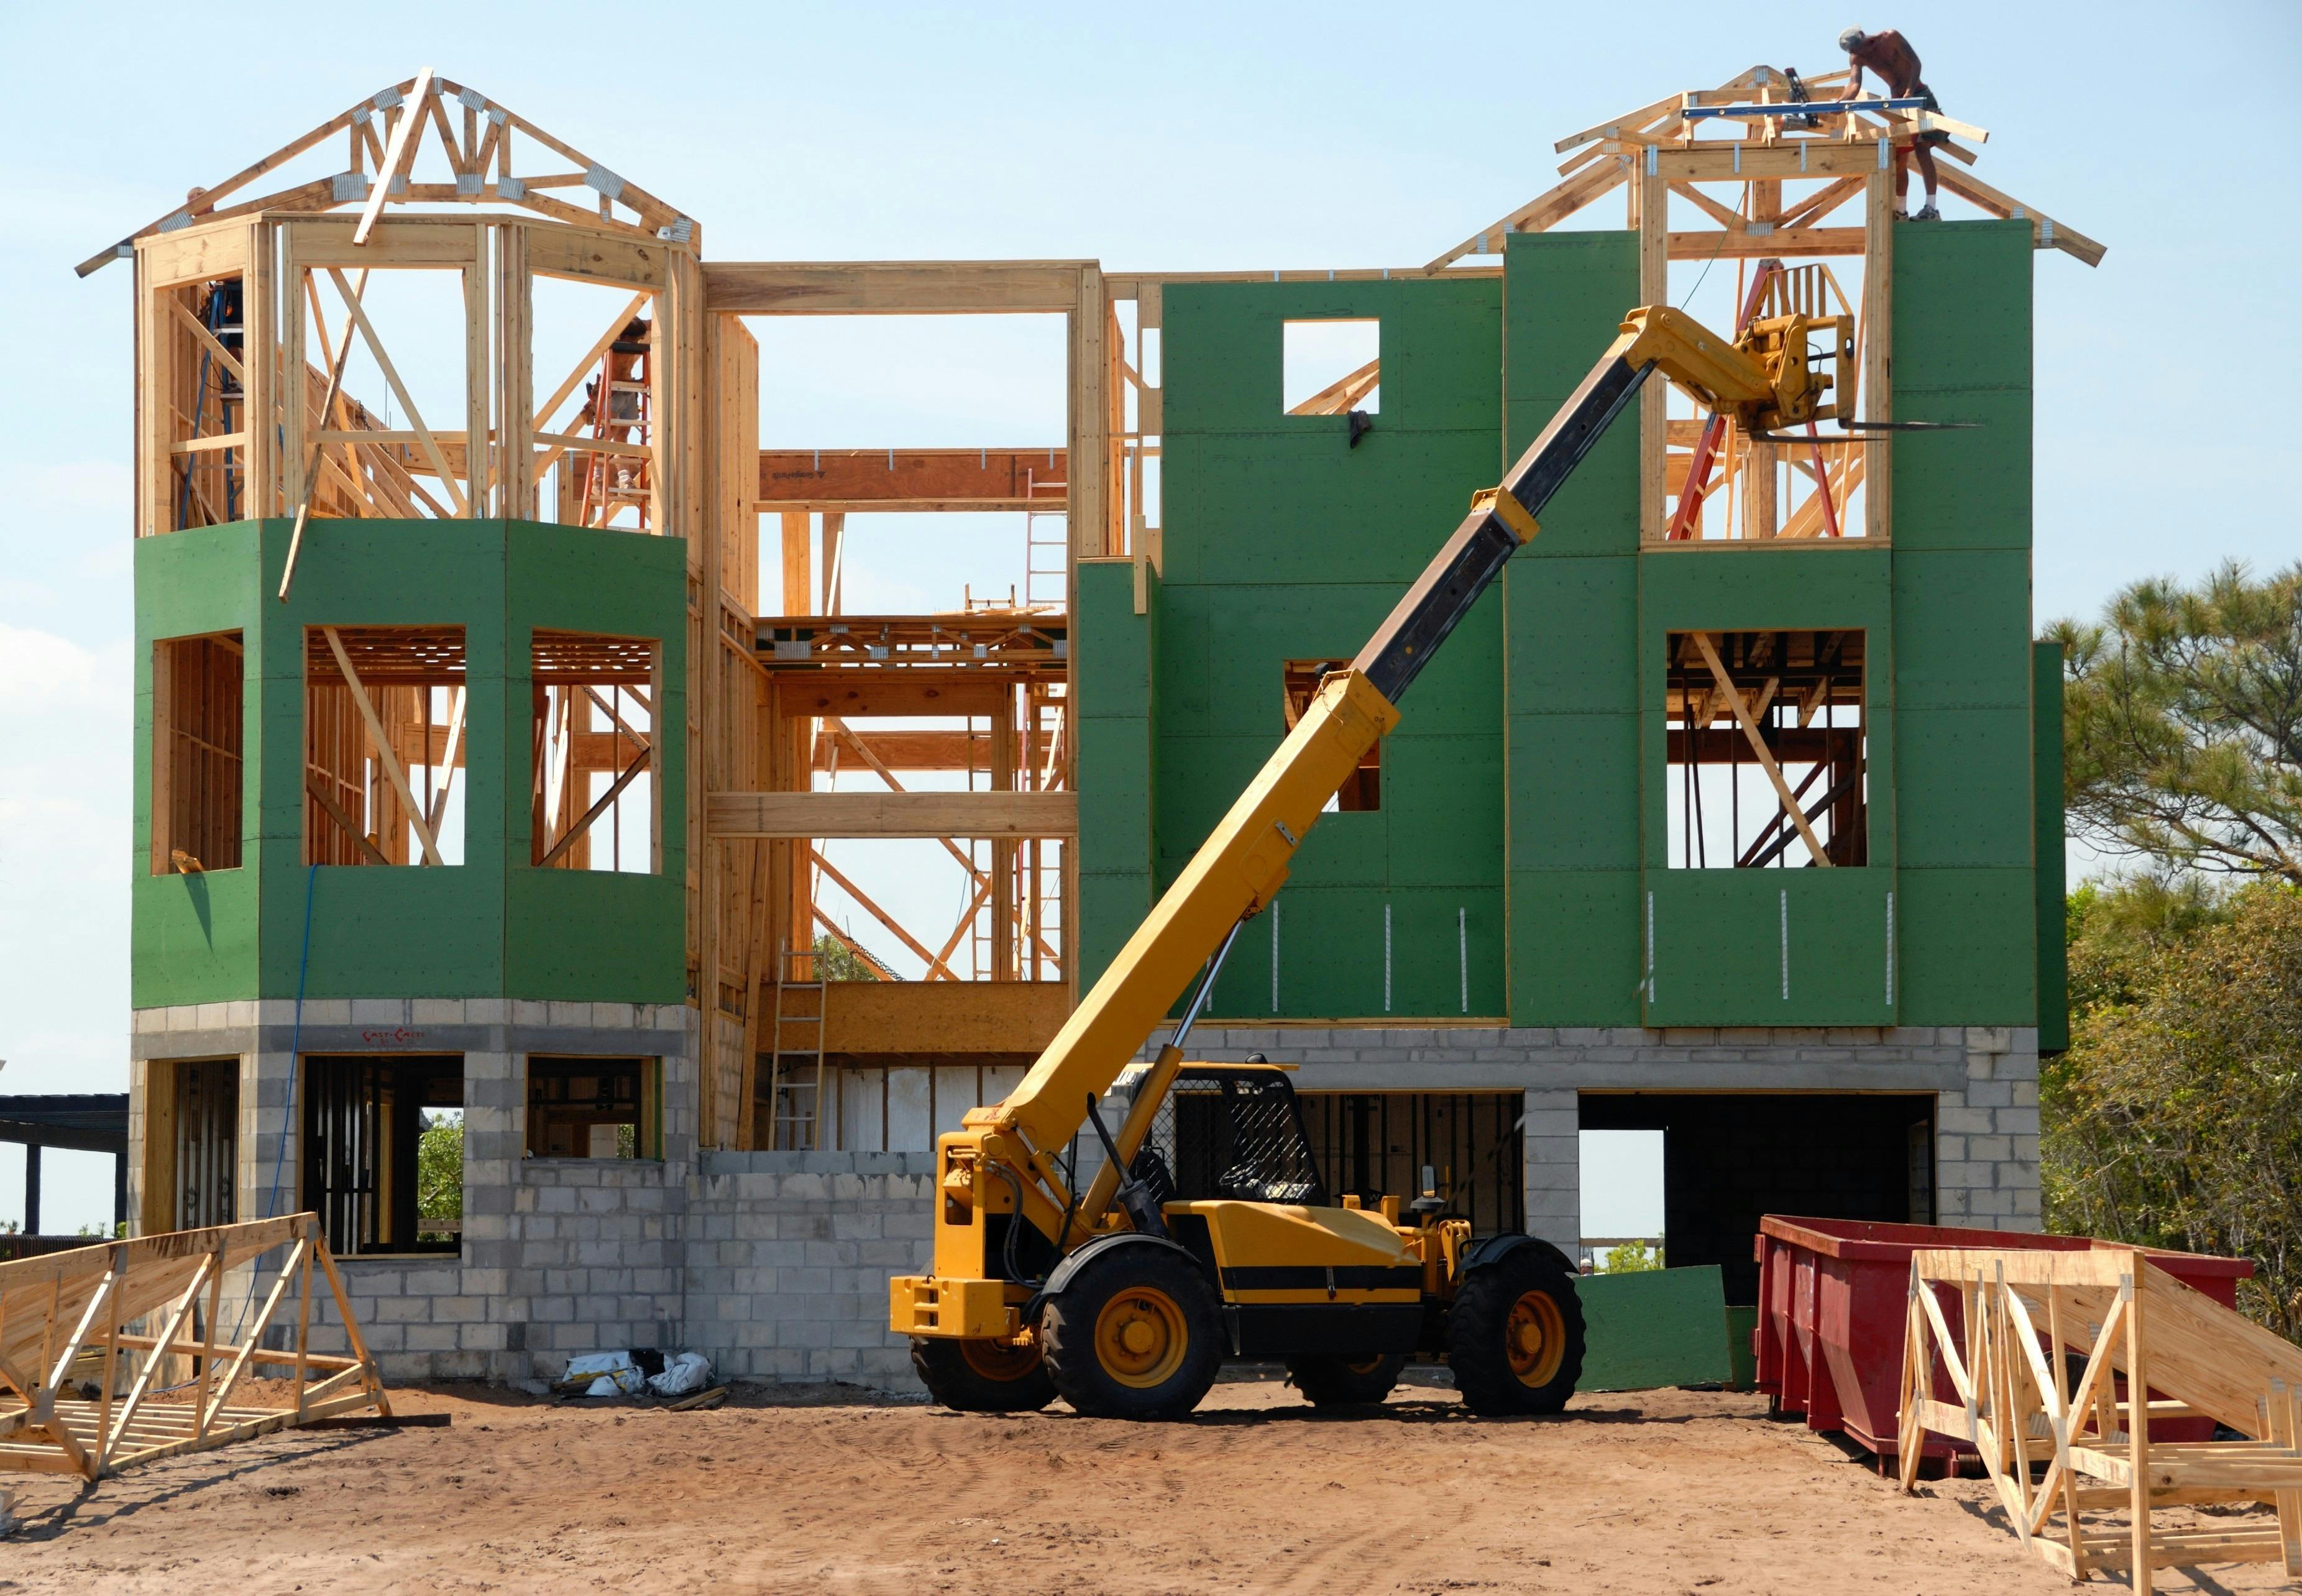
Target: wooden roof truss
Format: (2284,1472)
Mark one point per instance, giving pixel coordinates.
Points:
(478,142)
(1760,153)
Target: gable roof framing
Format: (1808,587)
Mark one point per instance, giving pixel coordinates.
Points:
(473,135)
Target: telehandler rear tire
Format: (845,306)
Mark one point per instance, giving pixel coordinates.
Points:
(1346,1382)
(1136,1334)
(982,1376)
(1515,1337)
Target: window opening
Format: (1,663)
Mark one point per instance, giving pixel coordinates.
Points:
(1332,366)
(1767,762)
(1363,789)
(203,338)
(594,375)
(192,1109)
(391,394)
(381,1159)
(1723,487)
(197,750)
(592,731)
(384,737)
(592,1108)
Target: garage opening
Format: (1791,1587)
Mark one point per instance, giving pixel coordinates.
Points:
(370,1128)
(1729,1158)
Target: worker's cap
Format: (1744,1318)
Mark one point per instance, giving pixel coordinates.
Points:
(1851,39)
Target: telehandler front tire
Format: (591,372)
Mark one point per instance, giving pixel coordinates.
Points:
(1346,1382)
(1136,1334)
(1515,1337)
(982,1376)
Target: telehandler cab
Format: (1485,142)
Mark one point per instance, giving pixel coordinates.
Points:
(1207,1233)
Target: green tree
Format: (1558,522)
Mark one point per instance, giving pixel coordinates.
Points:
(2183,724)
(837,962)
(2175,1120)
(1632,1258)
(440,1168)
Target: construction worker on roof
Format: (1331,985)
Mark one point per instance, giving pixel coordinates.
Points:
(1889,54)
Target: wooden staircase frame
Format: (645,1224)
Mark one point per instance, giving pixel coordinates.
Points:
(69,1317)
(2058,1452)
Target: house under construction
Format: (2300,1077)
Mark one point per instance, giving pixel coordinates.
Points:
(506,750)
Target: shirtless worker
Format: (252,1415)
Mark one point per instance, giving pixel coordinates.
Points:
(1889,54)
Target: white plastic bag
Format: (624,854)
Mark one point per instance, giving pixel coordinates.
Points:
(615,1371)
(683,1373)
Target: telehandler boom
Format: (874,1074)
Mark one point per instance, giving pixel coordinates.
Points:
(1206,1233)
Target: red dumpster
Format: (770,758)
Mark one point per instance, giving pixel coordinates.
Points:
(1832,1293)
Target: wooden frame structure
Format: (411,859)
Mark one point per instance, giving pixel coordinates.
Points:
(72,1317)
(384,135)
(1767,193)
(249,308)
(798,680)
(2065,1452)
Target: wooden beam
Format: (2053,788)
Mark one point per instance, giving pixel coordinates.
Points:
(911,751)
(330,398)
(798,529)
(893,814)
(935,962)
(1343,394)
(590,361)
(800,479)
(2047,232)
(1742,244)
(382,742)
(1759,745)
(1653,199)
(864,693)
(335,811)
(584,825)
(451,757)
(890,288)
(1876,377)
(913,1018)
(424,435)
(406,134)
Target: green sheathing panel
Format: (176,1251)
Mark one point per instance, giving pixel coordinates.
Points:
(1654,1327)
(2046,786)
(606,935)
(487,926)
(192,939)
(1112,717)
(1771,947)
(378,931)
(1969,825)
(1570,607)
(1283,542)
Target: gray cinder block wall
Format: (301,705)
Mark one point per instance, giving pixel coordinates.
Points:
(789,1256)
(776,1264)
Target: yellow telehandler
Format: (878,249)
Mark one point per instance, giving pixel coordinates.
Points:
(1207,1233)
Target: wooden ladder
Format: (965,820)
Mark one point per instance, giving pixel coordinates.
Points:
(779,1116)
(1047,558)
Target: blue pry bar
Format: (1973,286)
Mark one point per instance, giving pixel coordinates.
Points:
(1806,107)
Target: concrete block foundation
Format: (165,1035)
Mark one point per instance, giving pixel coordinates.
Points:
(776,1264)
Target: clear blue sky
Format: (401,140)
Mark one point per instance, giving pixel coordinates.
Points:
(1181,136)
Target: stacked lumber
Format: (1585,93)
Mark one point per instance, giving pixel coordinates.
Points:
(143,1318)
(2071,1455)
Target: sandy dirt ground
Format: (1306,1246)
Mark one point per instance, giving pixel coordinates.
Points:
(834,1491)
